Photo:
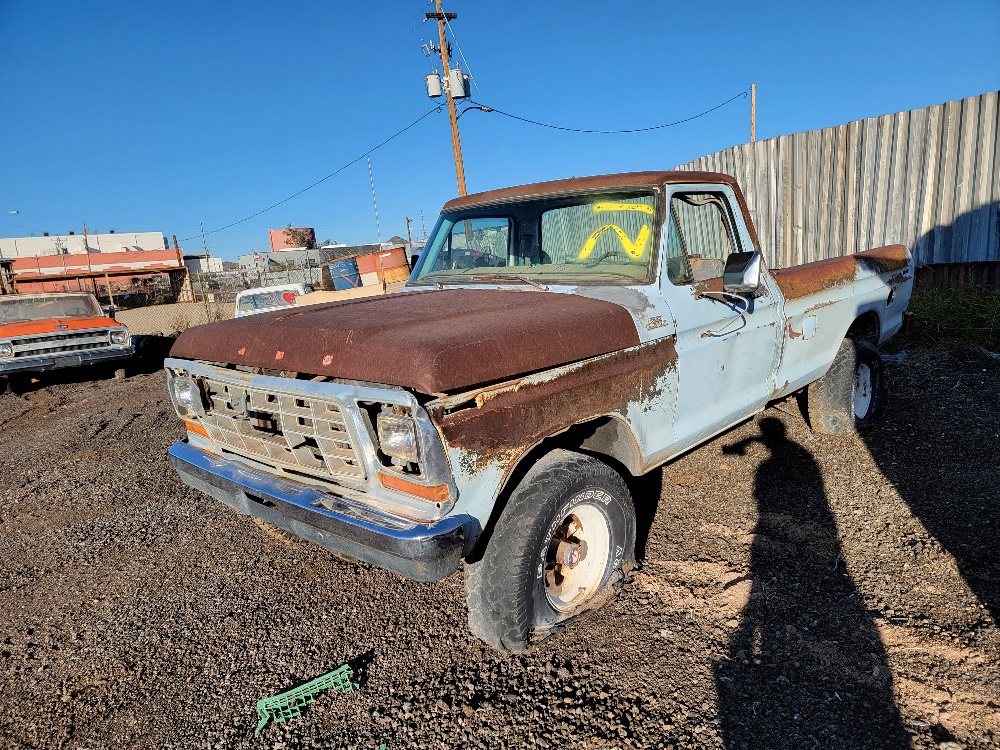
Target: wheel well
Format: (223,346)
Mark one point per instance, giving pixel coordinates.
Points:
(606,438)
(867,327)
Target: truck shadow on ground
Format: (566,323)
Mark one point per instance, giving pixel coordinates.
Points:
(792,677)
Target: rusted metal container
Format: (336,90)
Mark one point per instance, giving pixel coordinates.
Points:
(387,265)
(345,273)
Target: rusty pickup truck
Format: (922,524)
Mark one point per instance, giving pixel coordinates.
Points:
(553,340)
(53,330)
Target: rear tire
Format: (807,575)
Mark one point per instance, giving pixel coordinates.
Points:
(851,396)
(560,548)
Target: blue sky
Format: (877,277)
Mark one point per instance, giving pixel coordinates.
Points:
(153,117)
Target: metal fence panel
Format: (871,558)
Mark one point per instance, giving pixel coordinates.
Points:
(927,178)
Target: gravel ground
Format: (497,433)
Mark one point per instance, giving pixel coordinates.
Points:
(797,591)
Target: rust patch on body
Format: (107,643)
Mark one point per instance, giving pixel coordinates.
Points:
(820,275)
(885,259)
(508,419)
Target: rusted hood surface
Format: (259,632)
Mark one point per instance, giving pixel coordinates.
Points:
(431,342)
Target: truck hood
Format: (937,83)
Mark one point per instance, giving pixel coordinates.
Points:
(429,341)
(53,325)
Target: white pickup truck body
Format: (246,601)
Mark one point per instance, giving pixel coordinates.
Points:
(621,319)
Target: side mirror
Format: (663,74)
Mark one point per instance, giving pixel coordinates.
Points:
(110,311)
(742,272)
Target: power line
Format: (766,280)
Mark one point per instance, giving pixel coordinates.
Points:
(479,90)
(486,108)
(318,182)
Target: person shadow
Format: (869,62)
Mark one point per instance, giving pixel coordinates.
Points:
(806,666)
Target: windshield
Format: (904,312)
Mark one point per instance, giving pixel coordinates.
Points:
(15,309)
(582,238)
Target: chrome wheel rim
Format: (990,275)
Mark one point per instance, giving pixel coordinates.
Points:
(862,391)
(577,557)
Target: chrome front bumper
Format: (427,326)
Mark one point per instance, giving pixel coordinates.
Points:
(69,359)
(422,552)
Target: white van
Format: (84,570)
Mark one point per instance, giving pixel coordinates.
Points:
(268,298)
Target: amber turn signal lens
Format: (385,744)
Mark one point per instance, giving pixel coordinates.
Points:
(196,428)
(437,493)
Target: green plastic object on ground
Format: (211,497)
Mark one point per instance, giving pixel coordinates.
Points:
(289,705)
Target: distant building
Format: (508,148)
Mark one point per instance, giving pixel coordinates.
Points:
(313,257)
(203,263)
(265,260)
(72,262)
(279,240)
(73,244)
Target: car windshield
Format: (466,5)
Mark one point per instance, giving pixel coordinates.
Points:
(15,309)
(581,238)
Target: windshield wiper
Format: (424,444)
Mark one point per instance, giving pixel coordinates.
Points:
(438,284)
(510,277)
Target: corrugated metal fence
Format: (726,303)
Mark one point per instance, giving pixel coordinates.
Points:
(927,178)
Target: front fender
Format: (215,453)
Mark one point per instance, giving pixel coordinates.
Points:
(488,431)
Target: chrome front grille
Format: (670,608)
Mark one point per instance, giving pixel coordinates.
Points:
(37,346)
(293,433)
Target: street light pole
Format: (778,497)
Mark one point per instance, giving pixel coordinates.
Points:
(456,143)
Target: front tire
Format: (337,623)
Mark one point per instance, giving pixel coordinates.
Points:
(560,549)
(851,396)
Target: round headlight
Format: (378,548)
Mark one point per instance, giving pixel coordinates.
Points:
(119,335)
(397,436)
(6,349)
(184,392)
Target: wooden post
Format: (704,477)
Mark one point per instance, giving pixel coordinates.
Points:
(456,142)
(90,269)
(753,112)
(111,295)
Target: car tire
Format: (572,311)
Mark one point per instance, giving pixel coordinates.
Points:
(851,395)
(560,549)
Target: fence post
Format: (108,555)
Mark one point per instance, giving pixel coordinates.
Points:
(204,296)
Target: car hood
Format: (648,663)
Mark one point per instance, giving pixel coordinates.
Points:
(429,341)
(54,325)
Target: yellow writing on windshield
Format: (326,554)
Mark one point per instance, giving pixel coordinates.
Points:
(598,207)
(635,249)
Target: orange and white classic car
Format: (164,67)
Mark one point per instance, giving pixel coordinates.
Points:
(48,331)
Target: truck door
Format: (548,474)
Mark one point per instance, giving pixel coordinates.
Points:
(727,344)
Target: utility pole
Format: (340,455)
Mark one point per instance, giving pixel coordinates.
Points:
(441,17)
(90,268)
(753,112)
(378,227)
(409,238)
(201,275)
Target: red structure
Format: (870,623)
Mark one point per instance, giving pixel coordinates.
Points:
(90,272)
(279,240)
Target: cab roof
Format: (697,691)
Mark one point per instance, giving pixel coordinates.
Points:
(620,181)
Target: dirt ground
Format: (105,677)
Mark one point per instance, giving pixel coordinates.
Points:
(796,592)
